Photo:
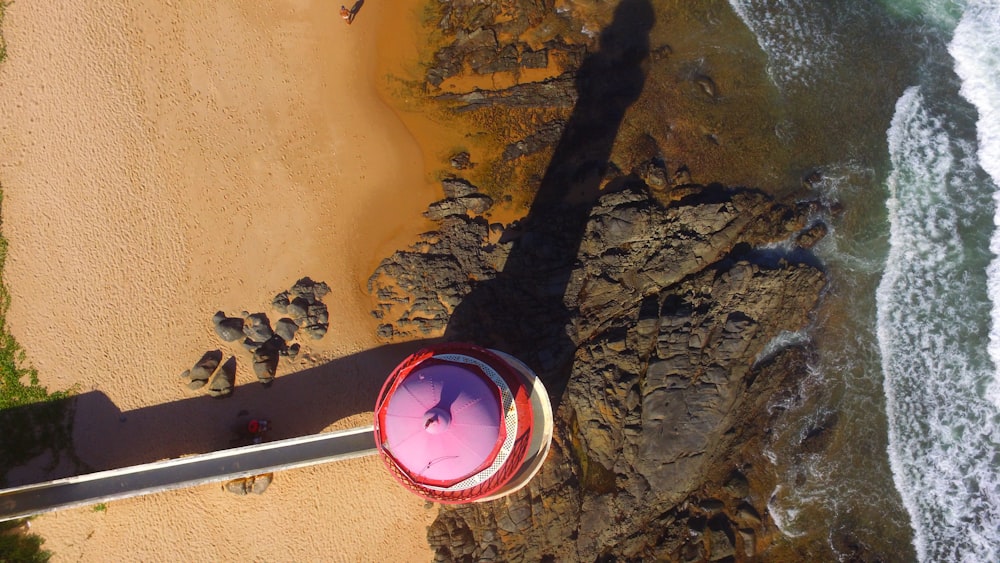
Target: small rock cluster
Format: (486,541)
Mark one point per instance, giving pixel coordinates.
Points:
(208,368)
(303,303)
(305,312)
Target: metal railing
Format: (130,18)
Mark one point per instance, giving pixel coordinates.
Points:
(189,471)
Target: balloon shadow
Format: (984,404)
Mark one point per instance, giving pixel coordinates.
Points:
(523,310)
(297,404)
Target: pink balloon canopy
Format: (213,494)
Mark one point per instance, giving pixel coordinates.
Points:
(457,423)
(444,422)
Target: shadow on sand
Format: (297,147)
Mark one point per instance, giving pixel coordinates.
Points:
(521,311)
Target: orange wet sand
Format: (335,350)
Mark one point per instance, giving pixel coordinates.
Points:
(164,160)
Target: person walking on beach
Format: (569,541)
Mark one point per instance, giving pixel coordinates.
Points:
(346,14)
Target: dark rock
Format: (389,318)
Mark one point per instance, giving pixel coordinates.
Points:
(848,547)
(737,485)
(707,85)
(748,515)
(293,351)
(477,203)
(693,552)
(506,60)
(228,328)
(224,380)
(661,53)
(265,359)
(682,177)
(298,308)
(317,314)
(811,236)
(258,328)
(558,92)
(285,328)
(534,59)
(472,203)
(542,138)
(812,179)
(316,331)
(819,434)
(457,187)
(653,290)
(749,540)
(203,369)
(461,161)
(309,290)
(265,368)
(722,547)
(711,505)
(654,173)
(685,288)
(281,301)
(445,208)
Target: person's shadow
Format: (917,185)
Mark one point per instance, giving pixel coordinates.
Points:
(524,311)
(354,10)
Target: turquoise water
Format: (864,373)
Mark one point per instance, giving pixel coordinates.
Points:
(910,337)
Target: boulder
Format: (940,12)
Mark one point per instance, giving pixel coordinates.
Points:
(265,359)
(281,301)
(811,236)
(228,328)
(457,187)
(316,331)
(298,308)
(224,380)
(461,161)
(199,375)
(258,328)
(309,290)
(285,328)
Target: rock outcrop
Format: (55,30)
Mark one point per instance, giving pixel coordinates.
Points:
(647,303)
(670,307)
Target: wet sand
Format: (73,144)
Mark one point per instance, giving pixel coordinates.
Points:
(159,164)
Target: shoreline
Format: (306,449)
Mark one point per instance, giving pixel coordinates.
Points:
(198,160)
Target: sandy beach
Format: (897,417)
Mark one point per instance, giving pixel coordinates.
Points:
(161,161)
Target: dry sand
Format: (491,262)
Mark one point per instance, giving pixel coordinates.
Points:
(164,160)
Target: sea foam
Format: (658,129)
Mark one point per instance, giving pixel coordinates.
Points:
(975,47)
(943,433)
(791,36)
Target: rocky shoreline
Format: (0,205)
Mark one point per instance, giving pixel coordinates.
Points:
(652,306)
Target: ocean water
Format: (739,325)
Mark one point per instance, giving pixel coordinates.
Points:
(909,339)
